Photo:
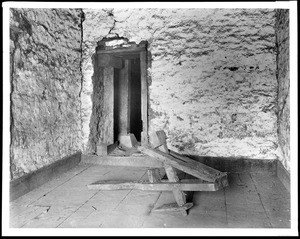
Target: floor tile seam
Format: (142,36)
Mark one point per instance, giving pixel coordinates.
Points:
(92,197)
(267,215)
(128,193)
(78,208)
(225,204)
(58,186)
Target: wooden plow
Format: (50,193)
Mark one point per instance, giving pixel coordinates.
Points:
(207,178)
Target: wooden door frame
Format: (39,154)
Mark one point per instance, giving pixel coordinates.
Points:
(134,51)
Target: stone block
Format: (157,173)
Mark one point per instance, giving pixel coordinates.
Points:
(101,149)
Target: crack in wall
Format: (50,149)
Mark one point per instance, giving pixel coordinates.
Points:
(112,28)
(110,13)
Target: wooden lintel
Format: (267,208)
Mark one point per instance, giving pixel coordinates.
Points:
(127,50)
(190,166)
(163,185)
(107,60)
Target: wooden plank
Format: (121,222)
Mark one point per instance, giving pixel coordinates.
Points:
(173,207)
(163,148)
(132,161)
(153,175)
(163,185)
(194,163)
(101,149)
(104,149)
(194,168)
(172,176)
(108,105)
(124,99)
(144,97)
(157,138)
(171,173)
(107,60)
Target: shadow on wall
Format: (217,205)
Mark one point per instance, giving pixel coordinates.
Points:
(235,164)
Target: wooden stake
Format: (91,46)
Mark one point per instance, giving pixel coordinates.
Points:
(178,194)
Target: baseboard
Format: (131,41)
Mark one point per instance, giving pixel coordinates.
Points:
(239,165)
(283,175)
(233,165)
(132,161)
(28,182)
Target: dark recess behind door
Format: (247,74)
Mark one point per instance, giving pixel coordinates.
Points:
(135,99)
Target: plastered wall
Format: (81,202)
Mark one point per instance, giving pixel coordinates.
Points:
(45,56)
(212,76)
(282,41)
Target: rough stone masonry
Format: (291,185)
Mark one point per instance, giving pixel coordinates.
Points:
(212,80)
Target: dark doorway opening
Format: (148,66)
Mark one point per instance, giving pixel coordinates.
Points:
(136,125)
(125,93)
(127,99)
(116,103)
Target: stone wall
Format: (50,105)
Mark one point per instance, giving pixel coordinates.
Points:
(45,60)
(282,40)
(212,77)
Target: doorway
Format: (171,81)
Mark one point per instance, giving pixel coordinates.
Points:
(125,93)
(127,99)
(136,125)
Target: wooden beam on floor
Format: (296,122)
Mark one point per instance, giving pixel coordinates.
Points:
(173,207)
(163,185)
(186,165)
(154,175)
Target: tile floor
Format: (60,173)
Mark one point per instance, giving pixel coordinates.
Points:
(250,201)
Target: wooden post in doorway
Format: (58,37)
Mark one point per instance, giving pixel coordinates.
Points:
(124,93)
(108,108)
(144,95)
